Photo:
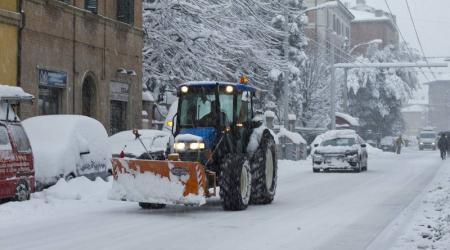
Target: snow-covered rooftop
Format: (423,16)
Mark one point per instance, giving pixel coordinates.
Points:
(350,119)
(368,16)
(147,96)
(414,108)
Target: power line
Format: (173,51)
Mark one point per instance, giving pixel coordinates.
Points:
(417,36)
(403,38)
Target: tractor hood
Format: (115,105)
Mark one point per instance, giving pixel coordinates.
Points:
(207,134)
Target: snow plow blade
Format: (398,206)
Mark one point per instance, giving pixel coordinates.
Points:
(161,182)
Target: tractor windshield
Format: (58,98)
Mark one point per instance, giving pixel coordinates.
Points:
(199,108)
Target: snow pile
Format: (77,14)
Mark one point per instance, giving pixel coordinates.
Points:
(154,141)
(57,142)
(147,96)
(270,114)
(294,137)
(372,150)
(430,226)
(151,188)
(76,189)
(350,119)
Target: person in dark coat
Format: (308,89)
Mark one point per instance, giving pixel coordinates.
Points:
(443,146)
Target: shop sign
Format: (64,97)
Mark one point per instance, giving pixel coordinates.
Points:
(119,91)
(49,78)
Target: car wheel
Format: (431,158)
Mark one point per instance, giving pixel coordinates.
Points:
(145,205)
(315,170)
(22,191)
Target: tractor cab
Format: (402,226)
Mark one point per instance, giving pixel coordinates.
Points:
(209,112)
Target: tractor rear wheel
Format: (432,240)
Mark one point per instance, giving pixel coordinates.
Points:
(235,182)
(264,171)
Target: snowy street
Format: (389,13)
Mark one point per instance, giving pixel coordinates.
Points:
(310,211)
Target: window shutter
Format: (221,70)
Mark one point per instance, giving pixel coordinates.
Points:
(91,5)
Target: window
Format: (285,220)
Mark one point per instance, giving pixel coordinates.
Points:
(125,11)
(66,1)
(49,101)
(5,145)
(20,138)
(91,5)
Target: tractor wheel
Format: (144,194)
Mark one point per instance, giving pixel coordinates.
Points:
(145,205)
(264,171)
(235,182)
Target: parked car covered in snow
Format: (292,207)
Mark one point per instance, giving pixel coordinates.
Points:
(151,144)
(17,180)
(68,146)
(340,149)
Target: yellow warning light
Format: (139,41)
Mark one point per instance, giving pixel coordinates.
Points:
(169,123)
(244,80)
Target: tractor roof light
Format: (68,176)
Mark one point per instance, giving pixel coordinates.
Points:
(229,89)
(244,80)
(184,89)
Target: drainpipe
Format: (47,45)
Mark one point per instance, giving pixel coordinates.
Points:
(19,42)
(73,61)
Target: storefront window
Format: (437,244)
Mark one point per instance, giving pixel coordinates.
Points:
(49,101)
(118,116)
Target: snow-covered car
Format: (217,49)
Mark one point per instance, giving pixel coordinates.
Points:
(340,149)
(68,146)
(153,142)
(387,144)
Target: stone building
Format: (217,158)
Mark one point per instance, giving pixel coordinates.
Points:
(439,104)
(83,57)
(9,41)
(371,24)
(328,28)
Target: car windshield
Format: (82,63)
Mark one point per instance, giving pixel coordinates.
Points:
(339,142)
(197,108)
(428,136)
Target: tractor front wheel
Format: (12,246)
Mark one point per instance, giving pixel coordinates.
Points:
(235,182)
(264,171)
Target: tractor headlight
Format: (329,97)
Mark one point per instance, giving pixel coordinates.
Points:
(197,145)
(179,146)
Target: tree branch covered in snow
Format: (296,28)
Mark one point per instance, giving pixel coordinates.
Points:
(376,95)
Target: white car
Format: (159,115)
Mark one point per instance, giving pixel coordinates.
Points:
(340,149)
(68,146)
(152,144)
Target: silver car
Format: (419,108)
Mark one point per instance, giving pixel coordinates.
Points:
(340,150)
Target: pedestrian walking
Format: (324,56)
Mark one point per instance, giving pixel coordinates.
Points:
(443,146)
(398,144)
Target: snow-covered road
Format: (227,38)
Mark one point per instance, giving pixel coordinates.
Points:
(311,211)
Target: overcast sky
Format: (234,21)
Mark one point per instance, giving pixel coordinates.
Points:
(432,21)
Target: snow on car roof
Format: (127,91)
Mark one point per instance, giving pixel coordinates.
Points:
(13,93)
(350,119)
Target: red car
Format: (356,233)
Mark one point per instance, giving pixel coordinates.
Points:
(17,179)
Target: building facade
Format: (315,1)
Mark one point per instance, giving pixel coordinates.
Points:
(439,104)
(83,57)
(10,22)
(371,24)
(415,117)
(329,24)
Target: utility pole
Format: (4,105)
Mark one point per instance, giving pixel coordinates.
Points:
(332,91)
(286,71)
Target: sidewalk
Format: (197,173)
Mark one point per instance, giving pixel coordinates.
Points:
(429,227)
